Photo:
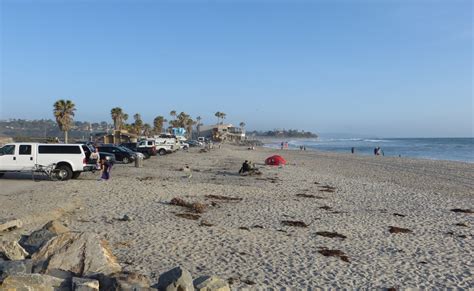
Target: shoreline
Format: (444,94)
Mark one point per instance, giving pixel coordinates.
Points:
(365,149)
(247,240)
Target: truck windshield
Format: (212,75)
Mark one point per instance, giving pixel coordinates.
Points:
(7,150)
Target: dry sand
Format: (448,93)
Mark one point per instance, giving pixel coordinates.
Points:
(247,241)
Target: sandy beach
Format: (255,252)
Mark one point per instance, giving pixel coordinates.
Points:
(245,241)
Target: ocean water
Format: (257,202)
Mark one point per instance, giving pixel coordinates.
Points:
(453,149)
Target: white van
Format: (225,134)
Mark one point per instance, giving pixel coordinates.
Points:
(70,159)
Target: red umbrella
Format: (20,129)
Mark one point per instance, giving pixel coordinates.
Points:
(275,160)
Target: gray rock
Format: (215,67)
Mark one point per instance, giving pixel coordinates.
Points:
(175,279)
(12,250)
(34,282)
(10,224)
(211,283)
(81,254)
(39,237)
(131,281)
(84,284)
(8,268)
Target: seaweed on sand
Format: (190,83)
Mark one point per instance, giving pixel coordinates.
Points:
(334,253)
(195,206)
(225,198)
(331,234)
(188,216)
(295,223)
(459,210)
(309,196)
(394,229)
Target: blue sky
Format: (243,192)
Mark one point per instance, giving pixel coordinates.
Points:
(393,68)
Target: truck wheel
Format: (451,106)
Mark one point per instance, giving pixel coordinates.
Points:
(162,152)
(125,160)
(76,175)
(64,172)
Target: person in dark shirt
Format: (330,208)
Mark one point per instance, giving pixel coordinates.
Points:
(106,169)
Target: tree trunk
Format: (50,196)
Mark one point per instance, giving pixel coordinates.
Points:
(65,136)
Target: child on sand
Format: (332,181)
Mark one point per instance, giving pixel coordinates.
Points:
(106,169)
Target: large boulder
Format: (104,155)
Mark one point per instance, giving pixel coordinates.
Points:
(34,282)
(211,283)
(84,284)
(9,224)
(39,237)
(175,279)
(11,250)
(8,268)
(81,254)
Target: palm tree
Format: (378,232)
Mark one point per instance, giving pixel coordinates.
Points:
(222,116)
(158,124)
(189,126)
(64,113)
(118,116)
(173,113)
(198,124)
(218,115)
(138,124)
(146,129)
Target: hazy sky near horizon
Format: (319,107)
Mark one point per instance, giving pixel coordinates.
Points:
(393,68)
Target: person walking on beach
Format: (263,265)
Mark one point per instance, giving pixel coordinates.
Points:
(353,150)
(282,144)
(106,169)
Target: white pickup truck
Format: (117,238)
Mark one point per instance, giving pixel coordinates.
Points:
(70,159)
(166,143)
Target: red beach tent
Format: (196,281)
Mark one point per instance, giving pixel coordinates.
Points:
(275,160)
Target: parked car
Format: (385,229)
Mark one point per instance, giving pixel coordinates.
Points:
(121,154)
(195,143)
(142,147)
(184,145)
(69,159)
(134,153)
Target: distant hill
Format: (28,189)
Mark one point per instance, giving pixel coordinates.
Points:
(291,133)
(47,128)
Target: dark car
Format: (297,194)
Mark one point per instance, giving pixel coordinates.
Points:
(91,164)
(147,151)
(121,154)
(194,143)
